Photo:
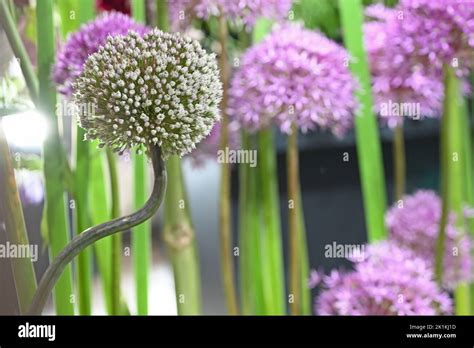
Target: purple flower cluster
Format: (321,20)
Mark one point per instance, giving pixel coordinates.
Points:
(30,186)
(396,76)
(248,11)
(79,46)
(414,224)
(208,147)
(294,75)
(390,280)
(440,31)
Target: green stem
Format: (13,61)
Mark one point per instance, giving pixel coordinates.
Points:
(453,170)
(305,302)
(117,238)
(273,272)
(141,236)
(19,50)
(399,162)
(293,219)
(181,242)
(11,215)
(53,155)
(225,223)
(100,213)
(162,20)
(94,234)
(367,136)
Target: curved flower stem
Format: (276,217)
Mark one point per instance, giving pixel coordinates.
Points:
(293,216)
(11,215)
(228,273)
(19,50)
(93,234)
(399,162)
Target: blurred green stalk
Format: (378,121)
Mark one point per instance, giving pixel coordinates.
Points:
(454,166)
(9,25)
(399,162)
(11,216)
(53,155)
(141,235)
(181,242)
(250,241)
(178,229)
(369,151)
(271,239)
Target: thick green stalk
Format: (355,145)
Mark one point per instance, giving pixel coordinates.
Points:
(116,255)
(293,219)
(100,213)
(85,12)
(225,211)
(53,156)
(68,12)
(273,270)
(141,235)
(469,177)
(19,50)
(399,162)
(250,246)
(453,171)
(11,217)
(369,151)
(181,242)
(162,20)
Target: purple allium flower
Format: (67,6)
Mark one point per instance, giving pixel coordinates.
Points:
(30,186)
(248,11)
(208,148)
(390,280)
(161,89)
(73,54)
(414,223)
(294,75)
(398,79)
(439,32)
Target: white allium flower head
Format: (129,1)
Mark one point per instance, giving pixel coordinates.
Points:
(161,89)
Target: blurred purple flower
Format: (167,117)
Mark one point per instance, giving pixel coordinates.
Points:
(73,54)
(248,11)
(294,75)
(389,281)
(208,147)
(439,32)
(414,224)
(396,77)
(30,186)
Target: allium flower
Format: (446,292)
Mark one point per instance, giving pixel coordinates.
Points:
(439,31)
(415,225)
(160,89)
(294,75)
(389,281)
(396,77)
(73,54)
(183,11)
(209,146)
